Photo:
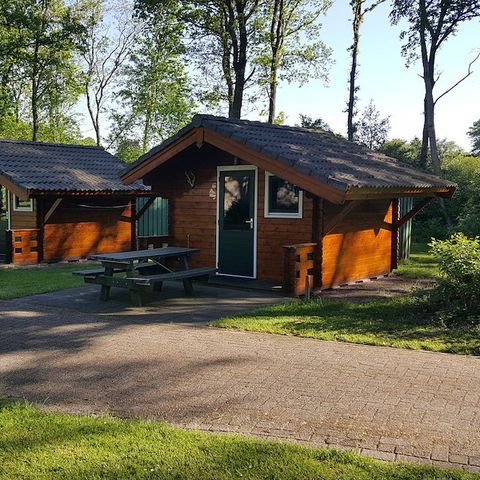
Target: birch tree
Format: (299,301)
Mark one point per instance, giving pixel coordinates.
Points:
(107,46)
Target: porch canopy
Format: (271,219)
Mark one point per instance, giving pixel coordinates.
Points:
(30,169)
(319,162)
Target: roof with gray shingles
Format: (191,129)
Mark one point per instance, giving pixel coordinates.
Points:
(40,167)
(322,155)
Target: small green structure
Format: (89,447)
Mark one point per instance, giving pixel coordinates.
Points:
(405,233)
(154,222)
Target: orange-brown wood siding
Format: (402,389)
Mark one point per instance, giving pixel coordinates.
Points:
(360,246)
(193,213)
(74,232)
(274,233)
(22,220)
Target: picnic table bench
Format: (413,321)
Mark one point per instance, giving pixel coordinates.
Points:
(145,270)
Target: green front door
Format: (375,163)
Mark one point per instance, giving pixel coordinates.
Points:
(236,222)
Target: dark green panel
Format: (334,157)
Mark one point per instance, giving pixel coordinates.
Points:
(154,221)
(405,234)
(236,196)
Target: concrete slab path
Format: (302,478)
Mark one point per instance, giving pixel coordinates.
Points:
(162,362)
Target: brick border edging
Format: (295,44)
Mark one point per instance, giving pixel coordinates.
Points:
(439,457)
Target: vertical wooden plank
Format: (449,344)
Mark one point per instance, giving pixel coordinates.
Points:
(394,251)
(133,225)
(317,280)
(40,206)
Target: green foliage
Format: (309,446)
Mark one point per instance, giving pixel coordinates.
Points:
(458,289)
(474,134)
(372,129)
(40,77)
(314,124)
(463,207)
(289,47)
(36,444)
(409,152)
(154,100)
(62,130)
(129,150)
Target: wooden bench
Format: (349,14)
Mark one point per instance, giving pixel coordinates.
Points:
(93,273)
(154,282)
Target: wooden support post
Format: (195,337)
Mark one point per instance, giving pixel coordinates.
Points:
(394,233)
(317,237)
(52,209)
(419,206)
(341,215)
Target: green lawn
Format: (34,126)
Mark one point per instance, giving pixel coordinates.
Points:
(421,263)
(22,281)
(39,445)
(402,322)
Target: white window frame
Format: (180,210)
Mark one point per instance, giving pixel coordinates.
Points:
(22,209)
(269,214)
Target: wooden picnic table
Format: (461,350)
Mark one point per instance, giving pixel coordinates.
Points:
(136,268)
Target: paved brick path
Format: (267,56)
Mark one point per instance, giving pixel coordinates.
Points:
(387,403)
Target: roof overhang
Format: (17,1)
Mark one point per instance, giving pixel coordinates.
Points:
(200,134)
(18,190)
(369,193)
(90,193)
(24,193)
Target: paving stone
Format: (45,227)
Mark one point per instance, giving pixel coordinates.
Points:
(162,362)
(379,455)
(455,458)
(440,452)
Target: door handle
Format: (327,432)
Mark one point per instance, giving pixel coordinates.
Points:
(250,222)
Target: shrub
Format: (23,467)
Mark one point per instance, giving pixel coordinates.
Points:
(458,287)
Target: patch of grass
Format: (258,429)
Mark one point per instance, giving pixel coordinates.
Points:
(402,322)
(38,445)
(421,263)
(22,281)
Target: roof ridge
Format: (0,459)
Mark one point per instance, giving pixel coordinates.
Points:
(201,116)
(51,144)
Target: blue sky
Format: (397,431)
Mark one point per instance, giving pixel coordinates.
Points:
(383,77)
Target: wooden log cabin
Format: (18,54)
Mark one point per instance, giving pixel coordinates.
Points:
(283,204)
(63,202)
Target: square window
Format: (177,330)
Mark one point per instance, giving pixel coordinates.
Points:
(282,198)
(23,205)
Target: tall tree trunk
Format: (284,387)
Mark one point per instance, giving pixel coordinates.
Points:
(357,19)
(34,93)
(34,104)
(146,130)
(276,43)
(428,63)
(272,97)
(424,148)
(239,60)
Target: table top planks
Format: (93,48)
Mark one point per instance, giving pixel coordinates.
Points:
(143,254)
